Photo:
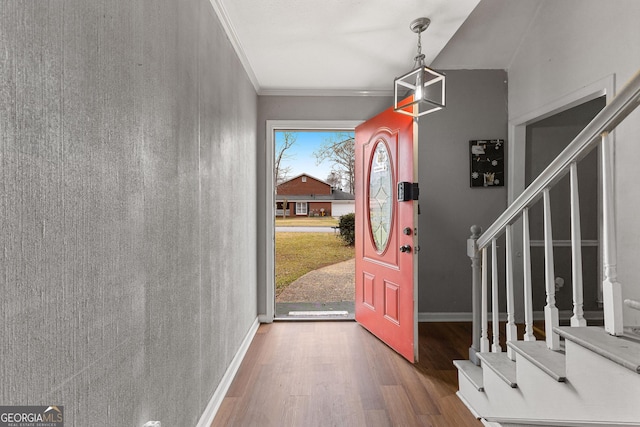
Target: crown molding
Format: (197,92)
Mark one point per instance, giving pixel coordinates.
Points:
(324,92)
(227,25)
(225,21)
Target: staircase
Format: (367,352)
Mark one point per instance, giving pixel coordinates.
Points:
(593,380)
(578,375)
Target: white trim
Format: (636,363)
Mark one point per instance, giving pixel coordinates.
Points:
(517,127)
(218,396)
(517,148)
(272,126)
(263,318)
(516,155)
(228,28)
(498,421)
(323,92)
(299,209)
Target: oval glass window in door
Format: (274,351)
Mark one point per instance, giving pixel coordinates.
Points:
(380,196)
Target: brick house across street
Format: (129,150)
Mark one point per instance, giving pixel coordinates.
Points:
(305,195)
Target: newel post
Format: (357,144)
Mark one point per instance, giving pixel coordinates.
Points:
(611,288)
(476,291)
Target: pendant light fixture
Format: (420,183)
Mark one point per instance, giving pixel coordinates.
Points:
(420,91)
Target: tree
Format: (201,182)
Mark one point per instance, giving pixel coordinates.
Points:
(280,171)
(340,150)
(335,179)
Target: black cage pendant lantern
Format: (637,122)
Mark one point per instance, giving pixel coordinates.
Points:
(422,90)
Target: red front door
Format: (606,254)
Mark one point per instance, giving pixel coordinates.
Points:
(386,283)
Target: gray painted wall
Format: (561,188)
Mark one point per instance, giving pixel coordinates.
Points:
(476,109)
(561,54)
(545,140)
(126,282)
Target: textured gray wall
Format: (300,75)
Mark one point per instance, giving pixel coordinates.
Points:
(127,205)
(476,109)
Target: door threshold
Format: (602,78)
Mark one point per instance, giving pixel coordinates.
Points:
(349,318)
(343,310)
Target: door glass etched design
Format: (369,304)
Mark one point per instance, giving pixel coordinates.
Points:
(380,196)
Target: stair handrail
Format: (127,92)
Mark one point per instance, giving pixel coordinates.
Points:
(606,121)
(596,134)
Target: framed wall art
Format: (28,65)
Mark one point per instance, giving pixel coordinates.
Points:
(486,162)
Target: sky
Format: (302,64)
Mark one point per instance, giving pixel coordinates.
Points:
(301,158)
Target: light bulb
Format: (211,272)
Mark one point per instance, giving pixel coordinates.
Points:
(418,94)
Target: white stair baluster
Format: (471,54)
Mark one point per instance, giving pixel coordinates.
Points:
(512,330)
(495,306)
(576,251)
(526,260)
(484,340)
(611,289)
(551,318)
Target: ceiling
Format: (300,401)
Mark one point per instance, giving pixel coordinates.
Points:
(360,46)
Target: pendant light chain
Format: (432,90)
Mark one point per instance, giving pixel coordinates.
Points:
(419,59)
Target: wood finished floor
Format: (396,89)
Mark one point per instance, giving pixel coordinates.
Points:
(305,374)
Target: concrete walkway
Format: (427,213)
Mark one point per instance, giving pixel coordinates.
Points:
(327,290)
(334,283)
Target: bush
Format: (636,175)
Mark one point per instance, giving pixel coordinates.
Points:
(347,226)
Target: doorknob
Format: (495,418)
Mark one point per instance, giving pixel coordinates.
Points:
(405,248)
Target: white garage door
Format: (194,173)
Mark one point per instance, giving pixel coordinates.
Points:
(342,208)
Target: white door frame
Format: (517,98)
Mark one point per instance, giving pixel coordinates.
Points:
(516,153)
(272,126)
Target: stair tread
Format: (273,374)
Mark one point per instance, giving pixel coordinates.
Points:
(537,352)
(471,371)
(499,363)
(621,350)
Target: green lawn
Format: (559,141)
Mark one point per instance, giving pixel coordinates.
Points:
(300,253)
(305,221)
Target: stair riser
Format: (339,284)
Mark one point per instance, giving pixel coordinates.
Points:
(472,397)
(586,395)
(614,386)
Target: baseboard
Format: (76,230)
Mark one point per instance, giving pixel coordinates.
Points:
(445,317)
(263,318)
(216,400)
(523,422)
(468,317)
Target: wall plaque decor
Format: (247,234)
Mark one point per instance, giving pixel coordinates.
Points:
(487,162)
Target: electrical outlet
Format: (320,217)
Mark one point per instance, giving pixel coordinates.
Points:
(152,424)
